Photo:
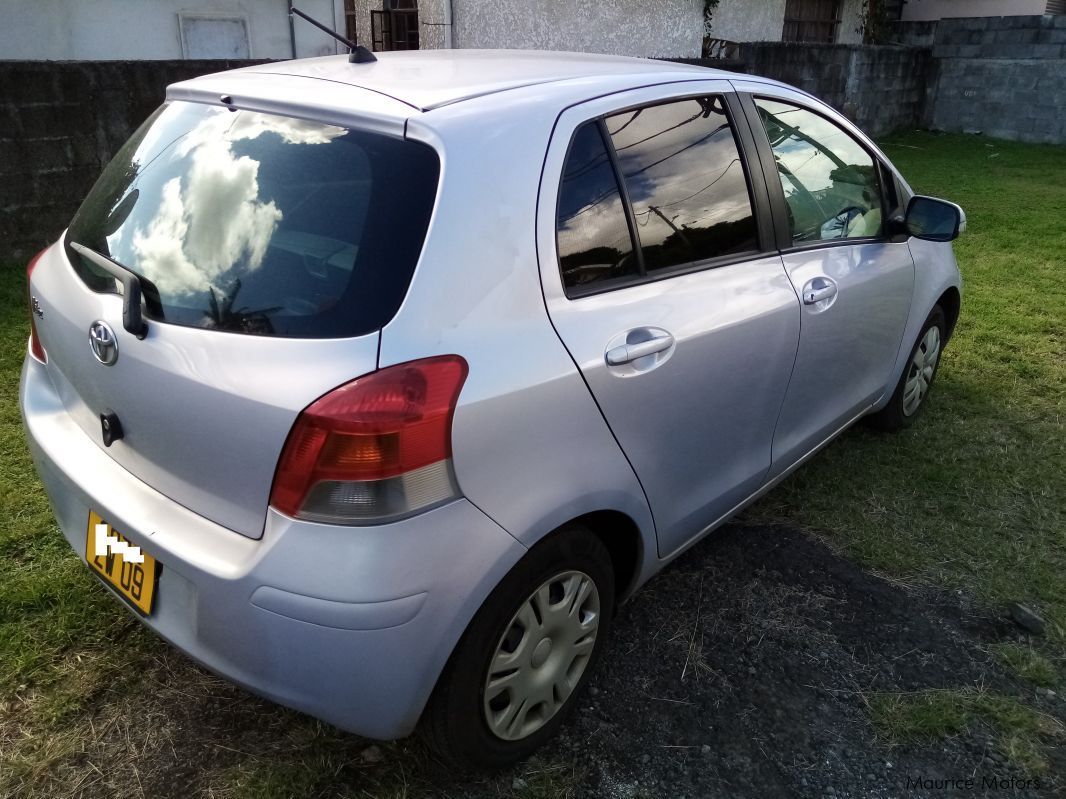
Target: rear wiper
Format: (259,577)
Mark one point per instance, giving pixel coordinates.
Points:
(132,285)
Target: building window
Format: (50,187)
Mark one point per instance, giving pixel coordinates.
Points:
(214,36)
(395,27)
(351,30)
(811,21)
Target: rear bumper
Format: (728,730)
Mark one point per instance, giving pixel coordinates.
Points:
(352,625)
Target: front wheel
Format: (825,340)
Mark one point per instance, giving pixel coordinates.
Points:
(912,391)
(525,657)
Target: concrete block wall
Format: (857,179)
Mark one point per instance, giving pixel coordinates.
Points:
(1028,37)
(1023,100)
(914,34)
(1001,76)
(60,123)
(880,88)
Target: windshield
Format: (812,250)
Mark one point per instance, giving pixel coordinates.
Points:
(260,224)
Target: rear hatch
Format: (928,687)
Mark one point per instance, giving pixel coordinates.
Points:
(270,251)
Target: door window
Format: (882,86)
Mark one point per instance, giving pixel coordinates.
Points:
(685,181)
(592,231)
(832,185)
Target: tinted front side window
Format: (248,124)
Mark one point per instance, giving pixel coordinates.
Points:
(685,181)
(592,231)
(832,185)
(261,224)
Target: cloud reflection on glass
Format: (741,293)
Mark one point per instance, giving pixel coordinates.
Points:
(685,182)
(211,220)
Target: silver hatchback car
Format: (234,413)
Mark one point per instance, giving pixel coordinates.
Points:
(375,387)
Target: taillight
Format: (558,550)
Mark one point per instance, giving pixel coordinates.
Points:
(376,448)
(36,350)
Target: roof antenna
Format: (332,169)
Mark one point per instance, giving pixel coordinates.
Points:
(357,53)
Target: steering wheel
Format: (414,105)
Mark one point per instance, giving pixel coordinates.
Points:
(836,225)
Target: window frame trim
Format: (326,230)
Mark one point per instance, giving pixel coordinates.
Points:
(623,193)
(761,205)
(785,244)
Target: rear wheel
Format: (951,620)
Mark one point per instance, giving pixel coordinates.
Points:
(525,657)
(912,391)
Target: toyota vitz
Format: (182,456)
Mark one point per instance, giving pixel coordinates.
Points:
(375,386)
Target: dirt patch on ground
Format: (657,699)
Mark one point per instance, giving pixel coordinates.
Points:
(744,669)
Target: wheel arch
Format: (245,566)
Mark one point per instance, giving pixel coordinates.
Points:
(621,535)
(951,303)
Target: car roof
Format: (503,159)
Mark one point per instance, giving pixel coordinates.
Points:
(428,79)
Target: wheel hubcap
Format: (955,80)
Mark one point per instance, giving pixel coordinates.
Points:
(921,370)
(541,655)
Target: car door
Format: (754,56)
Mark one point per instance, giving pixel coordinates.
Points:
(835,199)
(661,277)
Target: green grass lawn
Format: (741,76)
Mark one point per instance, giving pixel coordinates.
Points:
(973,498)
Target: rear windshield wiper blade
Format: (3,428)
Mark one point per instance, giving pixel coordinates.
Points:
(132,286)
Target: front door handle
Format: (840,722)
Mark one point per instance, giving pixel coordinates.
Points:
(818,290)
(627,353)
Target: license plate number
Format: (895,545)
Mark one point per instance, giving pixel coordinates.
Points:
(134,582)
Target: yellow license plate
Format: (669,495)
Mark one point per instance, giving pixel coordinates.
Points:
(116,563)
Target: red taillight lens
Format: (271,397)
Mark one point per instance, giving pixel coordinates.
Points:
(36,350)
(375,448)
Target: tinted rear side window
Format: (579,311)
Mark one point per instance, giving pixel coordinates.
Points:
(685,181)
(592,231)
(261,224)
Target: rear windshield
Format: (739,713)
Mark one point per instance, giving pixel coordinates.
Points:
(260,224)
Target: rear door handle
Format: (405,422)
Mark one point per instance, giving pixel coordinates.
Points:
(627,353)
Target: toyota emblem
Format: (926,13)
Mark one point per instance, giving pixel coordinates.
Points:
(103,343)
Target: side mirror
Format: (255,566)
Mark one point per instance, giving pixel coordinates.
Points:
(934,220)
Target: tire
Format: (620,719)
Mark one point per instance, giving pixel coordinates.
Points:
(475,726)
(904,408)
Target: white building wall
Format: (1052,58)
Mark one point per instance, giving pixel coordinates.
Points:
(746,21)
(850,30)
(622,27)
(151,29)
(920,10)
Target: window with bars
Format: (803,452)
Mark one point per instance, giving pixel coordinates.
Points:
(351,32)
(395,27)
(811,21)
